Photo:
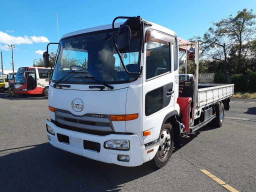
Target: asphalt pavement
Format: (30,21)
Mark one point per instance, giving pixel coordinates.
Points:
(29,163)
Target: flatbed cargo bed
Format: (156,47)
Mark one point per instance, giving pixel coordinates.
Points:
(212,93)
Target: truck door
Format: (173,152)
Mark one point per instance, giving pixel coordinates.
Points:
(159,81)
(31,79)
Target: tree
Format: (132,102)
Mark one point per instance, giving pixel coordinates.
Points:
(252,55)
(241,29)
(52,60)
(228,41)
(216,45)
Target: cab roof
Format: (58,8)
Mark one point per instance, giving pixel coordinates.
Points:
(106,27)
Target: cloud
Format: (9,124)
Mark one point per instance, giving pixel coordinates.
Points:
(4,47)
(40,52)
(5,38)
(40,39)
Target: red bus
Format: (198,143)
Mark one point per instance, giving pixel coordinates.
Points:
(32,81)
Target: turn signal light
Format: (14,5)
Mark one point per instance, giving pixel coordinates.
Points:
(52,109)
(149,151)
(146,133)
(124,117)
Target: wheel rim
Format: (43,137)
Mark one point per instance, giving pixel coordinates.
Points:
(165,143)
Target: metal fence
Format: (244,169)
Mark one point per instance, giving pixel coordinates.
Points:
(206,78)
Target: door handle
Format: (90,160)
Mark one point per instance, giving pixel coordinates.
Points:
(169,93)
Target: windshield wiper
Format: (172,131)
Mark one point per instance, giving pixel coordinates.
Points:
(70,72)
(98,81)
(83,72)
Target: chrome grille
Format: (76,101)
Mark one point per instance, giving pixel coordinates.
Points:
(85,122)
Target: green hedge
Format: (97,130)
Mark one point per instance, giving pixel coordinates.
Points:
(219,77)
(241,82)
(252,81)
(245,82)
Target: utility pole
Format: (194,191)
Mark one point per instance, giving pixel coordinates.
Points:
(2,63)
(186,62)
(12,47)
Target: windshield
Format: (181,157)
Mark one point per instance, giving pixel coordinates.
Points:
(20,79)
(95,53)
(11,76)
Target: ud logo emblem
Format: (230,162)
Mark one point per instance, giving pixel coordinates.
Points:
(77,105)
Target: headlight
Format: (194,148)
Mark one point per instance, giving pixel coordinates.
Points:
(117,144)
(50,130)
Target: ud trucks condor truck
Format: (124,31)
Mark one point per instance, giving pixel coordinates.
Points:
(32,81)
(116,95)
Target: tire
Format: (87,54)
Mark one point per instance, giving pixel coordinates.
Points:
(46,91)
(165,149)
(218,120)
(2,89)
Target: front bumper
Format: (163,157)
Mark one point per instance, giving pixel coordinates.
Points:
(137,153)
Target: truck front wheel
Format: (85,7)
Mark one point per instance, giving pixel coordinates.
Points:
(218,121)
(165,147)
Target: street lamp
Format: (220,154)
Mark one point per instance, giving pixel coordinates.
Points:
(12,47)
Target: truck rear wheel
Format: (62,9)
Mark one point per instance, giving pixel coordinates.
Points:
(165,149)
(218,121)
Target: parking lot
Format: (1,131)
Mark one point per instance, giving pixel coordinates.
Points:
(29,163)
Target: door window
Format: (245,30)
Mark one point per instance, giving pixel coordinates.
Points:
(176,62)
(158,59)
(44,73)
(31,80)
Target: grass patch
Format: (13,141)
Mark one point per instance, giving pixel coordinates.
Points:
(245,95)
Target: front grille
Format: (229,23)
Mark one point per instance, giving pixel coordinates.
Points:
(86,122)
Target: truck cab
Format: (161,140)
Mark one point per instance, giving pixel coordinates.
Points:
(106,110)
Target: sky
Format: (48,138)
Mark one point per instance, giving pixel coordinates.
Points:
(31,24)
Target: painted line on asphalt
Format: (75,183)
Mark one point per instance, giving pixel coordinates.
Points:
(219,181)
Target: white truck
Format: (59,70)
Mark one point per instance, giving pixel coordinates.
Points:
(116,94)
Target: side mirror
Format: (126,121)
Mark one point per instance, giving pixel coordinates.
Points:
(124,37)
(46,59)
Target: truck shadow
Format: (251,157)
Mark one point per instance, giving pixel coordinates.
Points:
(181,142)
(251,111)
(44,168)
